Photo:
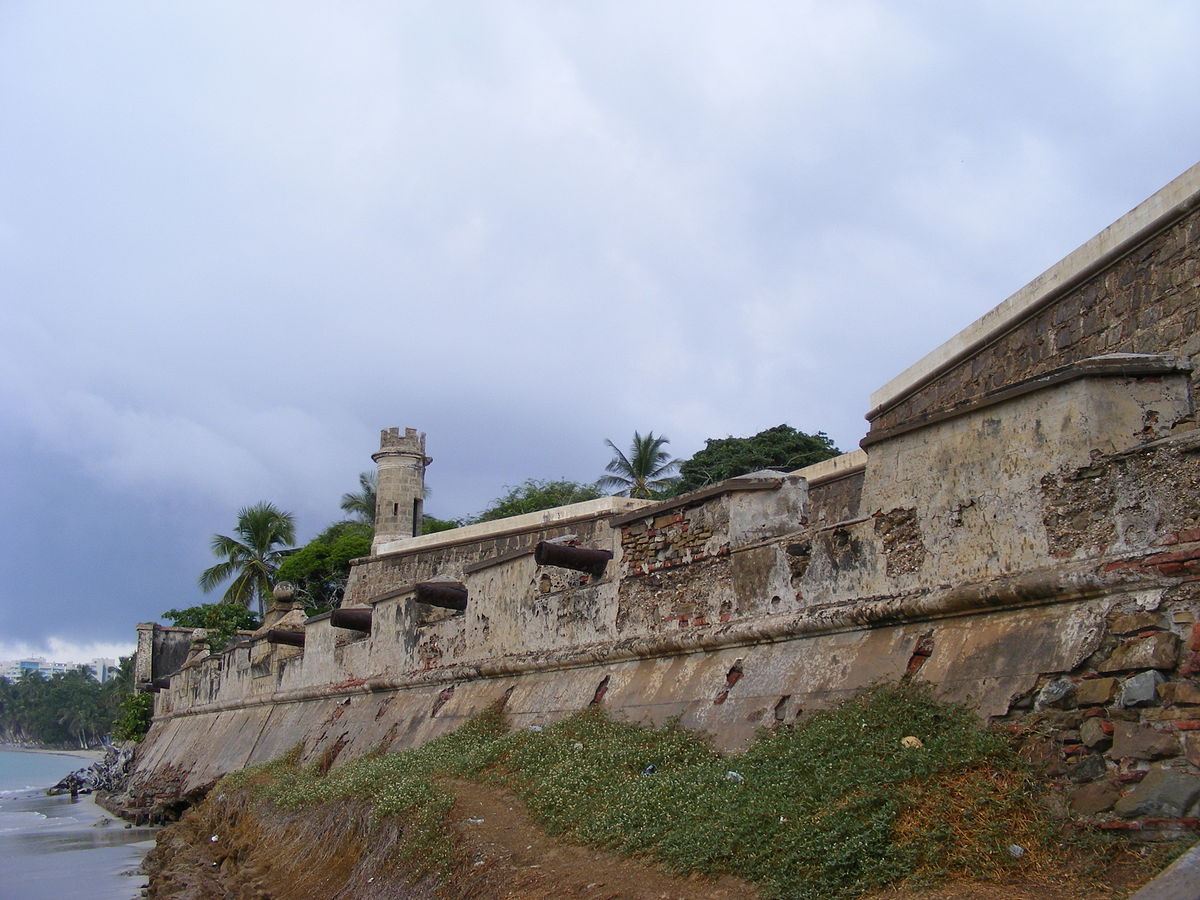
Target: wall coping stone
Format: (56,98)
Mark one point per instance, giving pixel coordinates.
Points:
(1111,365)
(754,481)
(535,521)
(832,469)
(1118,239)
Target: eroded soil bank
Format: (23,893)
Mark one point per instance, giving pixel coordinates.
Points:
(232,847)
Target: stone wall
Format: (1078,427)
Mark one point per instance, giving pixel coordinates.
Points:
(1144,302)
(1036,556)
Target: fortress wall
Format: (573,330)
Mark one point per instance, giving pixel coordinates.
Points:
(1036,554)
(1131,289)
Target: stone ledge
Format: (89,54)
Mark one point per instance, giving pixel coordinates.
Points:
(1113,365)
(599,508)
(1135,227)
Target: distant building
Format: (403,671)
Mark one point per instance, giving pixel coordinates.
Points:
(102,669)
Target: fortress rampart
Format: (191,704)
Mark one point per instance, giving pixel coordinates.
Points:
(1022,530)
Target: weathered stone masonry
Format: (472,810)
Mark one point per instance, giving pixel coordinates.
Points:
(1022,532)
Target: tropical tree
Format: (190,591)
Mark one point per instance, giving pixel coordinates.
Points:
(248,561)
(782,447)
(647,470)
(361,503)
(320,568)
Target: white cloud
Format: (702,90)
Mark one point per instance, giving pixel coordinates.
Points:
(239,239)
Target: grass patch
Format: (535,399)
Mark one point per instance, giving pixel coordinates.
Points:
(831,807)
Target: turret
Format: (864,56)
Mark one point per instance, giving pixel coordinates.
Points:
(400,487)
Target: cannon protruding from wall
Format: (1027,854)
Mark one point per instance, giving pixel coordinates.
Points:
(446,594)
(356,618)
(581,559)
(291,638)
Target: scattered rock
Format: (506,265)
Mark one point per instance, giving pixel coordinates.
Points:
(1141,689)
(1179,693)
(1133,741)
(1093,734)
(1157,651)
(1097,797)
(1096,691)
(1057,693)
(1045,753)
(1161,793)
(1191,748)
(1134,623)
(911,743)
(107,774)
(1089,769)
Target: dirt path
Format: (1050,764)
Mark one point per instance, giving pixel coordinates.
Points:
(513,858)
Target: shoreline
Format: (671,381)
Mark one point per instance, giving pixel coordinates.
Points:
(93,755)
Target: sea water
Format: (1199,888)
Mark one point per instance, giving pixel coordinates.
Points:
(55,847)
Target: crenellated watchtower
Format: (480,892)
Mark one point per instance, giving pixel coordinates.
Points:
(400,490)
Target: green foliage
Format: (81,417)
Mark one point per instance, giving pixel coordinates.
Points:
(535,494)
(133,718)
(222,620)
(830,807)
(251,558)
(68,709)
(361,503)
(646,471)
(320,568)
(781,447)
(431,525)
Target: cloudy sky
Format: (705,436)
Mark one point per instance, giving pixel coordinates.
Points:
(237,239)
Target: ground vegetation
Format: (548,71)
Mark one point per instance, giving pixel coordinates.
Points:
(892,791)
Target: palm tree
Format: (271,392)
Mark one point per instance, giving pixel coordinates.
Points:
(645,471)
(361,503)
(251,558)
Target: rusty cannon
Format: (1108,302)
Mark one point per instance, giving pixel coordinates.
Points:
(581,559)
(356,618)
(446,594)
(291,638)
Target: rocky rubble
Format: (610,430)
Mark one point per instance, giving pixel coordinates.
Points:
(108,774)
(1120,736)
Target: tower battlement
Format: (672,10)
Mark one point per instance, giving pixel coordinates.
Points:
(400,484)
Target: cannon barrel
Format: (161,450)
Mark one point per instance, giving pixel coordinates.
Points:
(356,618)
(581,559)
(291,638)
(161,684)
(446,594)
